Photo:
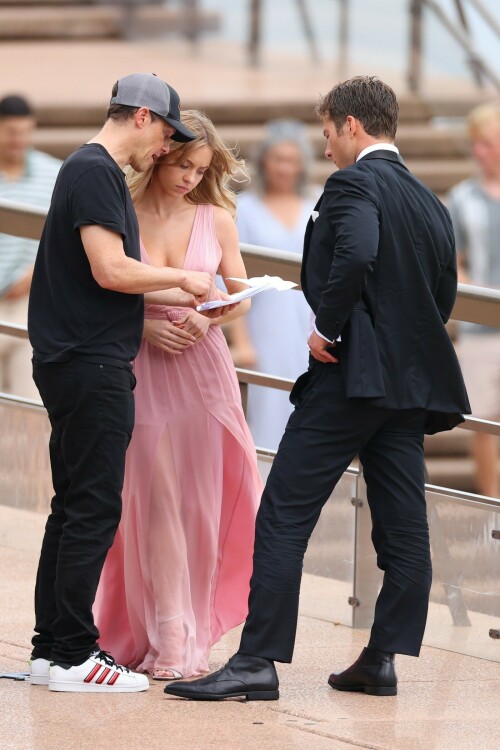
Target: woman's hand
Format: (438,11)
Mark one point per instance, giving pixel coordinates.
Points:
(167,336)
(194,324)
(218,312)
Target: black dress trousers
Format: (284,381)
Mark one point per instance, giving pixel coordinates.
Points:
(324,434)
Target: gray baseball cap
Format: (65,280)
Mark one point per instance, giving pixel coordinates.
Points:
(147,90)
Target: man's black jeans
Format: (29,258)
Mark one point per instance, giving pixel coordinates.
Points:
(91,411)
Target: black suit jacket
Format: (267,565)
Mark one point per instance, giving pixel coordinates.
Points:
(379,269)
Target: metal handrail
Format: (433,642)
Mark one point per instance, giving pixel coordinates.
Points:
(465,498)
(21,220)
(9,399)
(250,377)
(474,304)
(14,329)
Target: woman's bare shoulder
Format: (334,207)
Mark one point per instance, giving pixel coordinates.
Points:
(222,215)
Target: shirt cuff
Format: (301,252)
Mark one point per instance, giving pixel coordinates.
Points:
(321,335)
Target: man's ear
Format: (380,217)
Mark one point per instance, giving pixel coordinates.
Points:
(142,117)
(352,125)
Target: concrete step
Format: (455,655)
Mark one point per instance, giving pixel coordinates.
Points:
(413,112)
(99,21)
(414,141)
(74,22)
(440,169)
(425,141)
(61,142)
(447,113)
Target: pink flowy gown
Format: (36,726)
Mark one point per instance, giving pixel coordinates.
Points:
(177,576)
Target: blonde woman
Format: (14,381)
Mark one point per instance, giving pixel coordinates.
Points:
(177,577)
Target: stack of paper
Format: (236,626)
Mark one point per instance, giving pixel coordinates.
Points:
(256,285)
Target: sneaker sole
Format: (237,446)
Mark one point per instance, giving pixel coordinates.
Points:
(82,687)
(39,679)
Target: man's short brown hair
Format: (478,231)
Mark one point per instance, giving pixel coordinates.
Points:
(368,99)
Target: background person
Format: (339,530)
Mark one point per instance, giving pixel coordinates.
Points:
(474,206)
(85,321)
(274,213)
(177,577)
(27,177)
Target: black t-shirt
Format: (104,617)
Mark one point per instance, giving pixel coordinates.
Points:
(70,315)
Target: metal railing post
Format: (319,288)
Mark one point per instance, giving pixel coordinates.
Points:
(366,576)
(192,31)
(472,59)
(308,29)
(487,16)
(343,38)
(255,26)
(415,57)
(463,39)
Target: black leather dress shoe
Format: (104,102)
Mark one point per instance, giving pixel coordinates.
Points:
(372,673)
(250,677)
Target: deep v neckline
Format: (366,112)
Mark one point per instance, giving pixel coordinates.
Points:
(186,255)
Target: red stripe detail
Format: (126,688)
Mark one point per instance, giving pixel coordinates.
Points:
(103,676)
(114,678)
(93,673)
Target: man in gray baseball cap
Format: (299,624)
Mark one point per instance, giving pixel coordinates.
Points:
(85,321)
(147,90)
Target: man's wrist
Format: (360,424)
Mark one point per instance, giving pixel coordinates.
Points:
(321,335)
(187,300)
(181,278)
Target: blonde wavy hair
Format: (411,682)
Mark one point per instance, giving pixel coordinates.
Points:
(483,116)
(225,167)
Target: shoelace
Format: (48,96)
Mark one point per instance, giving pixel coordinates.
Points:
(109,661)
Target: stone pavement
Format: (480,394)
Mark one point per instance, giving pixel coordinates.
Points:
(445,702)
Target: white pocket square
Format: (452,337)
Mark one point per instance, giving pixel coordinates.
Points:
(314,215)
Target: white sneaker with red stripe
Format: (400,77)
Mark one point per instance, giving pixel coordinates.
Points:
(99,674)
(39,671)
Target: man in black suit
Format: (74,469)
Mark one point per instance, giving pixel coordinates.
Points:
(379,272)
